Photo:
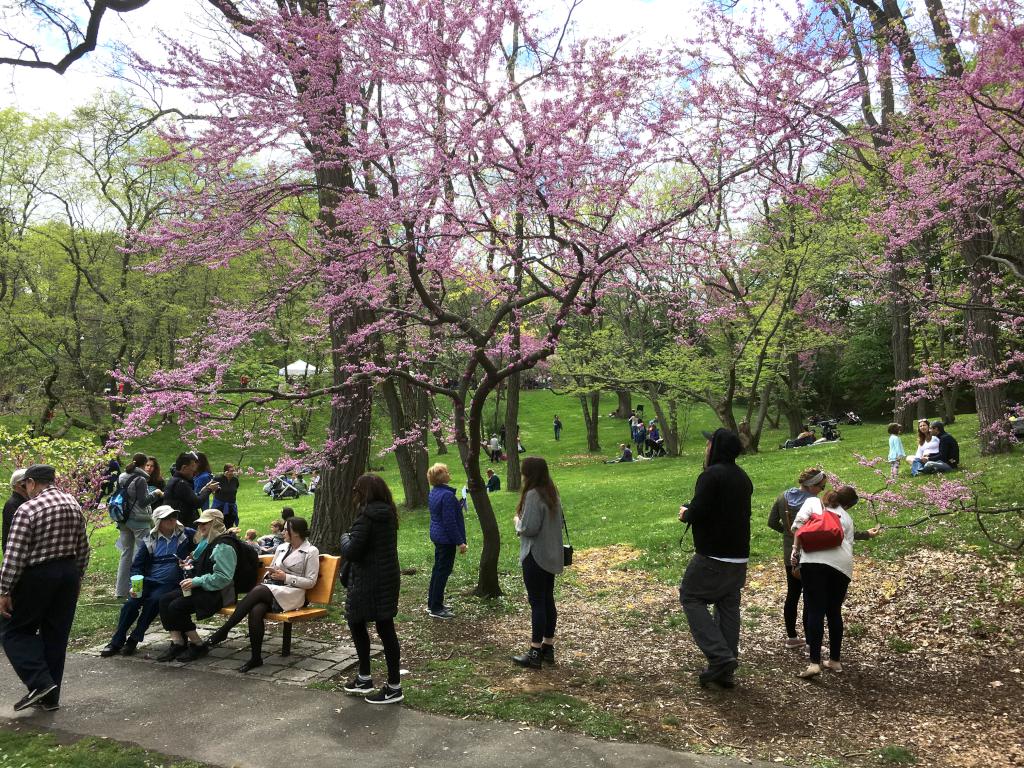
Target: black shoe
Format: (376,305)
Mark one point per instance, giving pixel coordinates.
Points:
(530,659)
(173,652)
(216,638)
(194,652)
(110,650)
(386,695)
(49,702)
(547,653)
(250,664)
(33,696)
(718,672)
(359,686)
(130,647)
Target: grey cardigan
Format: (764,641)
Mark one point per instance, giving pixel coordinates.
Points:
(540,533)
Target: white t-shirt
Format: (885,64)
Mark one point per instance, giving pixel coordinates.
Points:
(931,445)
(841,557)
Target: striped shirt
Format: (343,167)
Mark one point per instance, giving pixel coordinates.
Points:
(49,527)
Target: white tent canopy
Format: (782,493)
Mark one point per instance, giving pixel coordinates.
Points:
(298,368)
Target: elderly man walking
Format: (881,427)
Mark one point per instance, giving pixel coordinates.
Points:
(46,557)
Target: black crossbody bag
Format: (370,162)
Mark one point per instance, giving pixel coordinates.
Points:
(567,547)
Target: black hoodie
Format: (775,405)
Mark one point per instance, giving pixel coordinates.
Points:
(720,510)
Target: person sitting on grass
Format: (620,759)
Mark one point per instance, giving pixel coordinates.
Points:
(493,481)
(627,455)
(946,458)
(157,564)
(268,544)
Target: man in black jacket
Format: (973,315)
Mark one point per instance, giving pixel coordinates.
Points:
(720,518)
(948,457)
(179,492)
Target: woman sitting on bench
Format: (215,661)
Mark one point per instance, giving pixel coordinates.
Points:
(294,569)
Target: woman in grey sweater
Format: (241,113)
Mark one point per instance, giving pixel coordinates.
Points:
(538,524)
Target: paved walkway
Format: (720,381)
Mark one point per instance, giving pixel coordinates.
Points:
(253,723)
(310,661)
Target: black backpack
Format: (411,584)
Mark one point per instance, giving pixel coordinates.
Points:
(248,563)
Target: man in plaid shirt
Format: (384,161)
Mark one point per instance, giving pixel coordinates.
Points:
(47,553)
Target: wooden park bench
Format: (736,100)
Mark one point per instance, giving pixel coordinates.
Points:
(320,594)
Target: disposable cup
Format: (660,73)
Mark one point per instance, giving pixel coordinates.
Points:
(187,592)
(137,584)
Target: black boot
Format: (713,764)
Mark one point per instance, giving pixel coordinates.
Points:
(530,659)
(547,653)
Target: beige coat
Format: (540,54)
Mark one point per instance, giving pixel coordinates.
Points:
(302,567)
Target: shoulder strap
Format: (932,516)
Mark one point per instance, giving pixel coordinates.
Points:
(565,525)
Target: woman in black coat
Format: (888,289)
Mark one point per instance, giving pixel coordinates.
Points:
(371,575)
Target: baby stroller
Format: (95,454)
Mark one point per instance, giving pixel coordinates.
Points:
(829,429)
(282,488)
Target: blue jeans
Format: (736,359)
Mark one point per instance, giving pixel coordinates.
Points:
(444,562)
(144,608)
(230,510)
(933,467)
(915,467)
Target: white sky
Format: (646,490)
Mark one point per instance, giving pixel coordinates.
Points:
(647,22)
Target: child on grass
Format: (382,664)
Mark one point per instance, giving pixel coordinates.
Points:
(896,452)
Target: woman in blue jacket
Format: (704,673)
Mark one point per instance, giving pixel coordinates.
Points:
(448,532)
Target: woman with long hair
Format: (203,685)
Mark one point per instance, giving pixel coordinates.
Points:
(826,575)
(294,569)
(372,577)
(202,476)
(538,522)
(156,478)
(811,482)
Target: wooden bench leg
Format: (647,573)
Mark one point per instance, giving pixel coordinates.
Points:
(286,642)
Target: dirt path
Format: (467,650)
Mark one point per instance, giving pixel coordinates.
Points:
(932,657)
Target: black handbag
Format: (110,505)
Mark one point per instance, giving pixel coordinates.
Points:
(566,548)
(346,573)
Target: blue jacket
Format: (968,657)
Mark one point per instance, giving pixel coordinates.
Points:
(447,524)
(144,562)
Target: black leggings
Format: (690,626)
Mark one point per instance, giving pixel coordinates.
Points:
(824,593)
(792,605)
(388,638)
(256,605)
(540,589)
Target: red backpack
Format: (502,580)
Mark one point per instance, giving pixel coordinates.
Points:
(824,531)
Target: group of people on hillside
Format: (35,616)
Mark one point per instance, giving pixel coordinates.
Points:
(818,567)
(190,564)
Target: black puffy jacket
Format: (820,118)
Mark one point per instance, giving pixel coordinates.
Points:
(371,546)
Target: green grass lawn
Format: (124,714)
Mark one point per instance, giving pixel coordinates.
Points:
(633,504)
(23,748)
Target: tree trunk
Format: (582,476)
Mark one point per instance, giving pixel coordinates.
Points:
(625,404)
(591,418)
(442,446)
(468,436)
(949,398)
(414,484)
(899,317)
(349,429)
(513,479)
(981,332)
(789,402)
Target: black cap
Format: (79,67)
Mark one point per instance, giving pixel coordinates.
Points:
(42,473)
(938,424)
(707,435)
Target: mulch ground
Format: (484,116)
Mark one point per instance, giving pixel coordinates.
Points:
(932,660)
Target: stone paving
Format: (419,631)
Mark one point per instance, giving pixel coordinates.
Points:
(311,661)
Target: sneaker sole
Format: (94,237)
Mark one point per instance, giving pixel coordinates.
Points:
(360,691)
(394,700)
(43,693)
(439,616)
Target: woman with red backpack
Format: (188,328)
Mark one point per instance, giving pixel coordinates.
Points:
(823,555)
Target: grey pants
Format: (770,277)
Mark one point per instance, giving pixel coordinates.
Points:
(705,583)
(128,543)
